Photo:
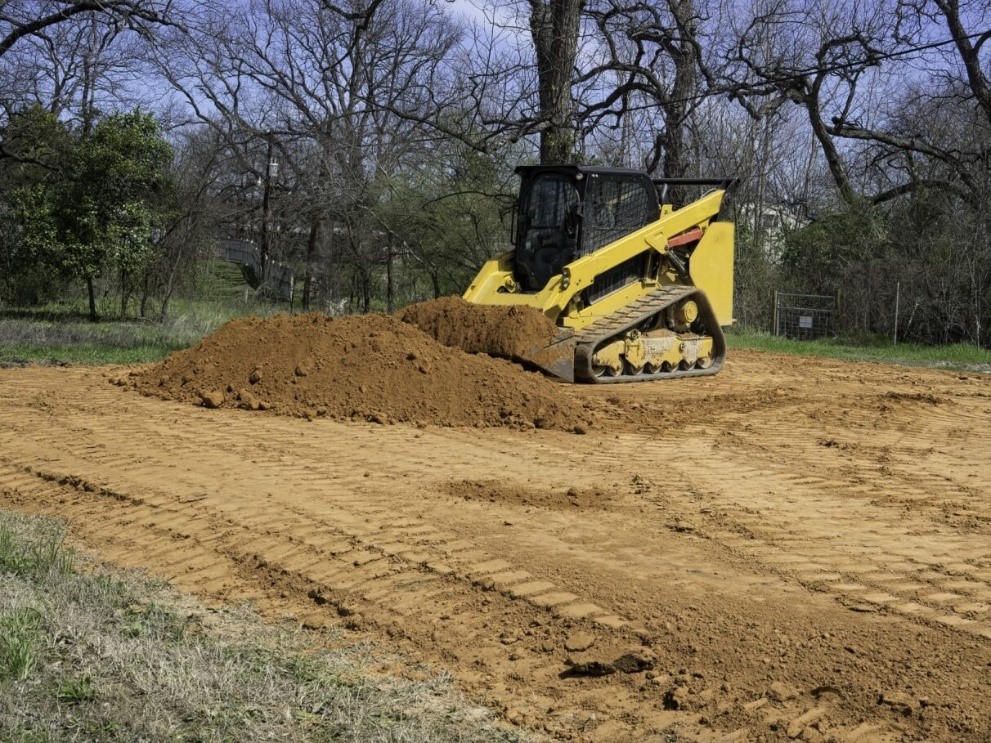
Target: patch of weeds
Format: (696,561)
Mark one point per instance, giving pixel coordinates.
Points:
(21,734)
(22,638)
(306,670)
(31,551)
(52,556)
(137,628)
(12,559)
(109,589)
(77,690)
(86,728)
(153,621)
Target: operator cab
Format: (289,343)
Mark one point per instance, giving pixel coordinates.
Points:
(566,212)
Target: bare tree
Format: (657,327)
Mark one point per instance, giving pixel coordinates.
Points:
(77,69)
(848,73)
(653,52)
(23,19)
(321,82)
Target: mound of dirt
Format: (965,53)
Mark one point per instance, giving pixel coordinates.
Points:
(508,332)
(369,367)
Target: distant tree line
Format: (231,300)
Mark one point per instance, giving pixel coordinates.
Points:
(369,144)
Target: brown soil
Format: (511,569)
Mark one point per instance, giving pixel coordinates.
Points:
(793,549)
(371,367)
(509,332)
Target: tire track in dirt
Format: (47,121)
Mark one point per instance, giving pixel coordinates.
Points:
(892,511)
(465,547)
(910,452)
(871,556)
(357,530)
(371,589)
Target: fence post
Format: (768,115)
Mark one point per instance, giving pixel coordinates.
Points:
(898,287)
(774,312)
(838,311)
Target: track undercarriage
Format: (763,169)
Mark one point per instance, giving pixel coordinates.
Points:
(671,333)
(668,334)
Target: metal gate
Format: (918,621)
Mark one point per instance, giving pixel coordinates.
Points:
(805,316)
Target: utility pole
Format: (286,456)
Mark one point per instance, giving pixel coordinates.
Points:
(271,172)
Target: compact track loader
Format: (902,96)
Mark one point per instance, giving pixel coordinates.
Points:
(639,288)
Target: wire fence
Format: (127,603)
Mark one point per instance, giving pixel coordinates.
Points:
(805,316)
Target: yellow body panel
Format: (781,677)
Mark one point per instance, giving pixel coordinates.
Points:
(494,284)
(712,269)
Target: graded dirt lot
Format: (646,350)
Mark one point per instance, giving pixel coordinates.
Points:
(794,549)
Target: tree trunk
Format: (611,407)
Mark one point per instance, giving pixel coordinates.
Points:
(366,289)
(810,100)
(92,299)
(124,294)
(389,301)
(366,294)
(686,81)
(168,288)
(312,243)
(145,292)
(266,213)
(554,27)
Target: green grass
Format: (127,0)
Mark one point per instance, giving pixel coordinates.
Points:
(225,281)
(956,356)
(87,653)
(18,354)
(61,333)
(36,558)
(21,638)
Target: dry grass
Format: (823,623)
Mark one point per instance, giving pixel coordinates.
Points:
(90,654)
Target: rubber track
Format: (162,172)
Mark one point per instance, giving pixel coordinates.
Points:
(604,330)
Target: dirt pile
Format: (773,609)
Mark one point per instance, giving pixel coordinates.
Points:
(508,332)
(370,367)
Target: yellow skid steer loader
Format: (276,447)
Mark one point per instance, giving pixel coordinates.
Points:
(639,289)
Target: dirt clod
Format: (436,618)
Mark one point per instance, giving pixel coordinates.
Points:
(579,641)
(898,701)
(212,398)
(589,668)
(677,698)
(632,663)
(781,692)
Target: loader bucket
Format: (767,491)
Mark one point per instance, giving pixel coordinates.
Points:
(556,358)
